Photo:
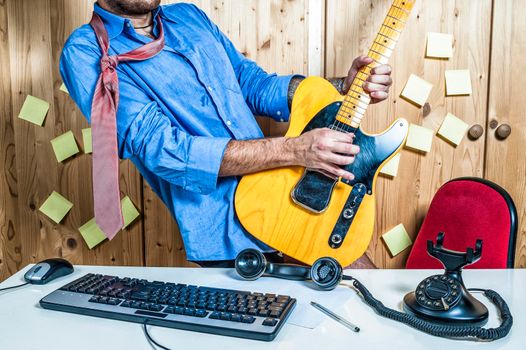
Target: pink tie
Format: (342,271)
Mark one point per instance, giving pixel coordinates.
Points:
(106,193)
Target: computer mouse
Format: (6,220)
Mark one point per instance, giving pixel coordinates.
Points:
(47,270)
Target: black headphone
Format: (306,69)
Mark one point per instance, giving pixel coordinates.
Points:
(326,272)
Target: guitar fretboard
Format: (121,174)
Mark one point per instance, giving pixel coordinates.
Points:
(357,100)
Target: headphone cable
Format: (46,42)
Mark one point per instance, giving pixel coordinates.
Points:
(150,339)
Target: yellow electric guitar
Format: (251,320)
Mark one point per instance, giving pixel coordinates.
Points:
(304,213)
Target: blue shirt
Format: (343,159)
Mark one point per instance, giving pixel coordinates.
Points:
(177,112)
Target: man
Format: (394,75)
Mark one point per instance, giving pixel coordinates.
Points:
(185,116)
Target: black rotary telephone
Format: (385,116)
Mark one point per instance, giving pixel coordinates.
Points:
(441,305)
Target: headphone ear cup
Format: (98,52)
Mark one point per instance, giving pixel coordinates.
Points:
(326,273)
(250,264)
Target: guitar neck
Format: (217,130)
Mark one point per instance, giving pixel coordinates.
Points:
(357,100)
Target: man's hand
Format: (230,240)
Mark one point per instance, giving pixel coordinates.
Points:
(378,83)
(325,150)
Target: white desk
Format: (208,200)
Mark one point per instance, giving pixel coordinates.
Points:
(25,325)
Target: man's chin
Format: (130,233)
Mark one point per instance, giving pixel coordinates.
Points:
(133,7)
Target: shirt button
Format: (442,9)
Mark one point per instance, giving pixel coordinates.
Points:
(278,112)
(282,120)
(228,122)
(210,88)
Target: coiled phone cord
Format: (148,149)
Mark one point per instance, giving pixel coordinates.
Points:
(443,330)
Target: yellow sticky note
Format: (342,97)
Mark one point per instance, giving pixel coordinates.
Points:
(417,90)
(86,140)
(65,146)
(391,167)
(453,129)
(397,239)
(458,82)
(129,212)
(439,45)
(34,110)
(56,207)
(419,138)
(64,88)
(91,233)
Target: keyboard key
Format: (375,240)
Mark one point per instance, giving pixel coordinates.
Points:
(215,315)
(226,316)
(94,299)
(252,311)
(168,310)
(126,303)
(156,307)
(236,318)
(189,311)
(270,322)
(201,313)
(114,301)
(248,319)
(179,310)
(263,312)
(275,313)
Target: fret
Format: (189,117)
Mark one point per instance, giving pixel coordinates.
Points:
(359,97)
(345,121)
(406,5)
(396,12)
(385,41)
(352,113)
(390,33)
(363,76)
(353,107)
(394,20)
(356,101)
(381,50)
(378,58)
(395,25)
(358,89)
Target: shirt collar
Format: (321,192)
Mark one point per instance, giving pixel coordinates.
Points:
(115,24)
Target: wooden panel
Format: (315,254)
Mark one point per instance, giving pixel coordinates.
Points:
(9,260)
(505,160)
(350,31)
(34,33)
(274,34)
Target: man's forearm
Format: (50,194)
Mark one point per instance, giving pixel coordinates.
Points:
(250,156)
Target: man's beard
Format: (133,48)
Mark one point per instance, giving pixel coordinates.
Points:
(133,7)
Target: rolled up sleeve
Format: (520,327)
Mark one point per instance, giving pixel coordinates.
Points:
(144,133)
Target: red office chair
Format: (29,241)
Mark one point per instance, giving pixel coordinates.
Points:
(467,209)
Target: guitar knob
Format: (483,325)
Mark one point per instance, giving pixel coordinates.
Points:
(348,213)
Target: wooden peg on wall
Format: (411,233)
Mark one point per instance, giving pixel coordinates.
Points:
(475,132)
(503,131)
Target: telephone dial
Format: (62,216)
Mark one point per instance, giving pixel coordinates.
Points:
(441,305)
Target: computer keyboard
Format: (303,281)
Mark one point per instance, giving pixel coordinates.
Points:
(202,309)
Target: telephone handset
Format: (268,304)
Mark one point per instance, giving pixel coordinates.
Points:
(441,305)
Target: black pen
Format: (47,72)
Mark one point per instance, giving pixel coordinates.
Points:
(339,319)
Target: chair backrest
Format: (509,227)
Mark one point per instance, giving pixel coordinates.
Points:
(467,209)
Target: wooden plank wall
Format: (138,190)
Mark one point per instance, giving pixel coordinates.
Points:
(283,36)
(505,160)
(405,198)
